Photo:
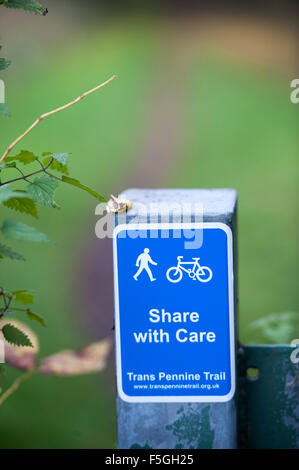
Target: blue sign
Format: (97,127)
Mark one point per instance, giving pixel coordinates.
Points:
(174,312)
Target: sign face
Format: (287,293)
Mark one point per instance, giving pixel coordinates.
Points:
(174,312)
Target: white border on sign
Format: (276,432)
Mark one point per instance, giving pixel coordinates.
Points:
(176,399)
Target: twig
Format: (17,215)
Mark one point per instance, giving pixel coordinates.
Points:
(43,116)
(15,386)
(24,177)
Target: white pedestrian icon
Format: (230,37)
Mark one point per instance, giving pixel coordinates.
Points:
(142,262)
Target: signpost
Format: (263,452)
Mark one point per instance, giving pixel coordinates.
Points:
(174,316)
(175,319)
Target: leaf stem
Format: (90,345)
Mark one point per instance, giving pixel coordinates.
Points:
(15,386)
(24,177)
(19,309)
(6,303)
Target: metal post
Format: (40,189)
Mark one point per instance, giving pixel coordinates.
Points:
(175,425)
(268,411)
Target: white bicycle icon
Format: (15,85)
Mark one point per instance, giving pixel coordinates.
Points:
(201,273)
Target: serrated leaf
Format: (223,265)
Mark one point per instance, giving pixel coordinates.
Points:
(4,110)
(15,336)
(22,204)
(24,157)
(42,190)
(6,193)
(28,5)
(4,63)
(6,251)
(34,317)
(56,165)
(77,183)
(23,296)
(18,231)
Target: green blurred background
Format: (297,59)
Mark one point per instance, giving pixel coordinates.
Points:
(201,100)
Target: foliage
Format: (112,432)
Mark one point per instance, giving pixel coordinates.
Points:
(28,5)
(15,336)
(276,328)
(28,181)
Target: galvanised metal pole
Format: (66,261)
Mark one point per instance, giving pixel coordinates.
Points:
(160,414)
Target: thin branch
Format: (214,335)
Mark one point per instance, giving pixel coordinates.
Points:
(20,171)
(54,176)
(37,160)
(19,309)
(43,116)
(24,177)
(10,297)
(5,303)
(15,386)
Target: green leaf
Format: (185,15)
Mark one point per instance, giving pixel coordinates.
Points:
(6,251)
(28,5)
(77,183)
(15,336)
(4,63)
(4,110)
(56,165)
(24,157)
(6,193)
(42,190)
(34,317)
(22,204)
(61,157)
(23,296)
(18,231)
